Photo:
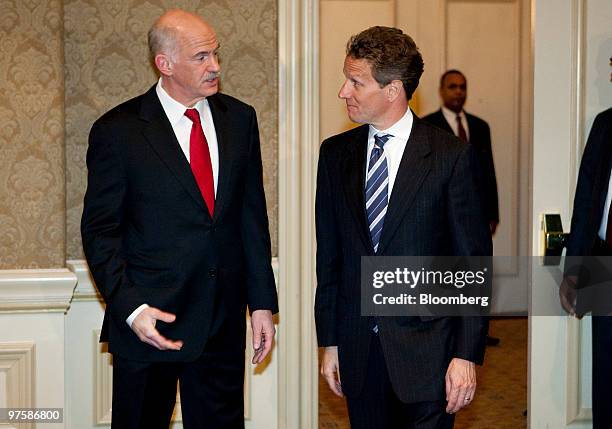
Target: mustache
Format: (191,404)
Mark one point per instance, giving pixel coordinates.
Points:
(212,75)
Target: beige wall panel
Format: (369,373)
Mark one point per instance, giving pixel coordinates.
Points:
(31,135)
(340,19)
(491,65)
(423,20)
(107,63)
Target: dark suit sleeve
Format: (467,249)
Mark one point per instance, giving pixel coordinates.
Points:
(328,256)
(102,222)
(490,181)
(470,237)
(261,288)
(586,194)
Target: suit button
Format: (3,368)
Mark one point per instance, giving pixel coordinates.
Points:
(212,273)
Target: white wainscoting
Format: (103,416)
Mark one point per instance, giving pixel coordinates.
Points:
(33,305)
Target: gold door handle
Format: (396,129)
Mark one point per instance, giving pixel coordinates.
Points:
(553,239)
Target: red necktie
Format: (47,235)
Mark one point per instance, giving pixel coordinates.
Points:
(199,158)
(461,131)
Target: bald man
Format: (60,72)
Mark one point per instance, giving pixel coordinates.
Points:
(176,235)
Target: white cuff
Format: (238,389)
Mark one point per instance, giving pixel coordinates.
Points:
(135,313)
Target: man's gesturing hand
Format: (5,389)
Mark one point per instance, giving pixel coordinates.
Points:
(568,295)
(460,384)
(263,334)
(144,326)
(330,369)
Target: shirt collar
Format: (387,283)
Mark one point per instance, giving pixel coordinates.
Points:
(401,129)
(449,115)
(175,111)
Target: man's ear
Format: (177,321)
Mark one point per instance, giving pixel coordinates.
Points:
(164,64)
(394,89)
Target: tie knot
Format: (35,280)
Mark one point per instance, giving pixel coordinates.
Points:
(380,140)
(193,115)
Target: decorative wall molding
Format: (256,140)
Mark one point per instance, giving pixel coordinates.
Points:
(576,412)
(577,93)
(85,289)
(41,290)
(103,381)
(298,43)
(17,370)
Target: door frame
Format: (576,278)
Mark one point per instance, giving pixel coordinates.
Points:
(298,65)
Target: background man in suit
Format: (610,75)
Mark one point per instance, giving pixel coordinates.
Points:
(591,235)
(176,235)
(417,198)
(471,129)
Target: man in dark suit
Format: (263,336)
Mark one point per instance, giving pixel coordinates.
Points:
(176,235)
(471,129)
(395,186)
(590,237)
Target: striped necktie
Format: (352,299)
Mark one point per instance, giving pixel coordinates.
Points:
(377,189)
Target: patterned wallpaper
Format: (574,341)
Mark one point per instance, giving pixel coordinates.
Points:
(107,63)
(32,221)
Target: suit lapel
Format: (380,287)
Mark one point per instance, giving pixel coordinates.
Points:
(160,135)
(223,127)
(413,168)
(443,122)
(354,182)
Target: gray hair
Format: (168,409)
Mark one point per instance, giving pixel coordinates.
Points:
(162,39)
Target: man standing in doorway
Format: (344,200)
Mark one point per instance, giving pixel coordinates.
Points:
(590,241)
(395,186)
(175,232)
(471,129)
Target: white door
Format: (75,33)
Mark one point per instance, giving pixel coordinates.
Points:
(572,44)
(489,42)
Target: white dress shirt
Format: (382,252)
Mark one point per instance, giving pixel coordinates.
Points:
(181,125)
(451,118)
(603,226)
(395,146)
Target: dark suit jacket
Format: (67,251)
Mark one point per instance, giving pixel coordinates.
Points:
(589,201)
(433,210)
(480,137)
(592,187)
(148,236)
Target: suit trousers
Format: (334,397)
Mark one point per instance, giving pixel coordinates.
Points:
(378,407)
(144,393)
(602,372)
